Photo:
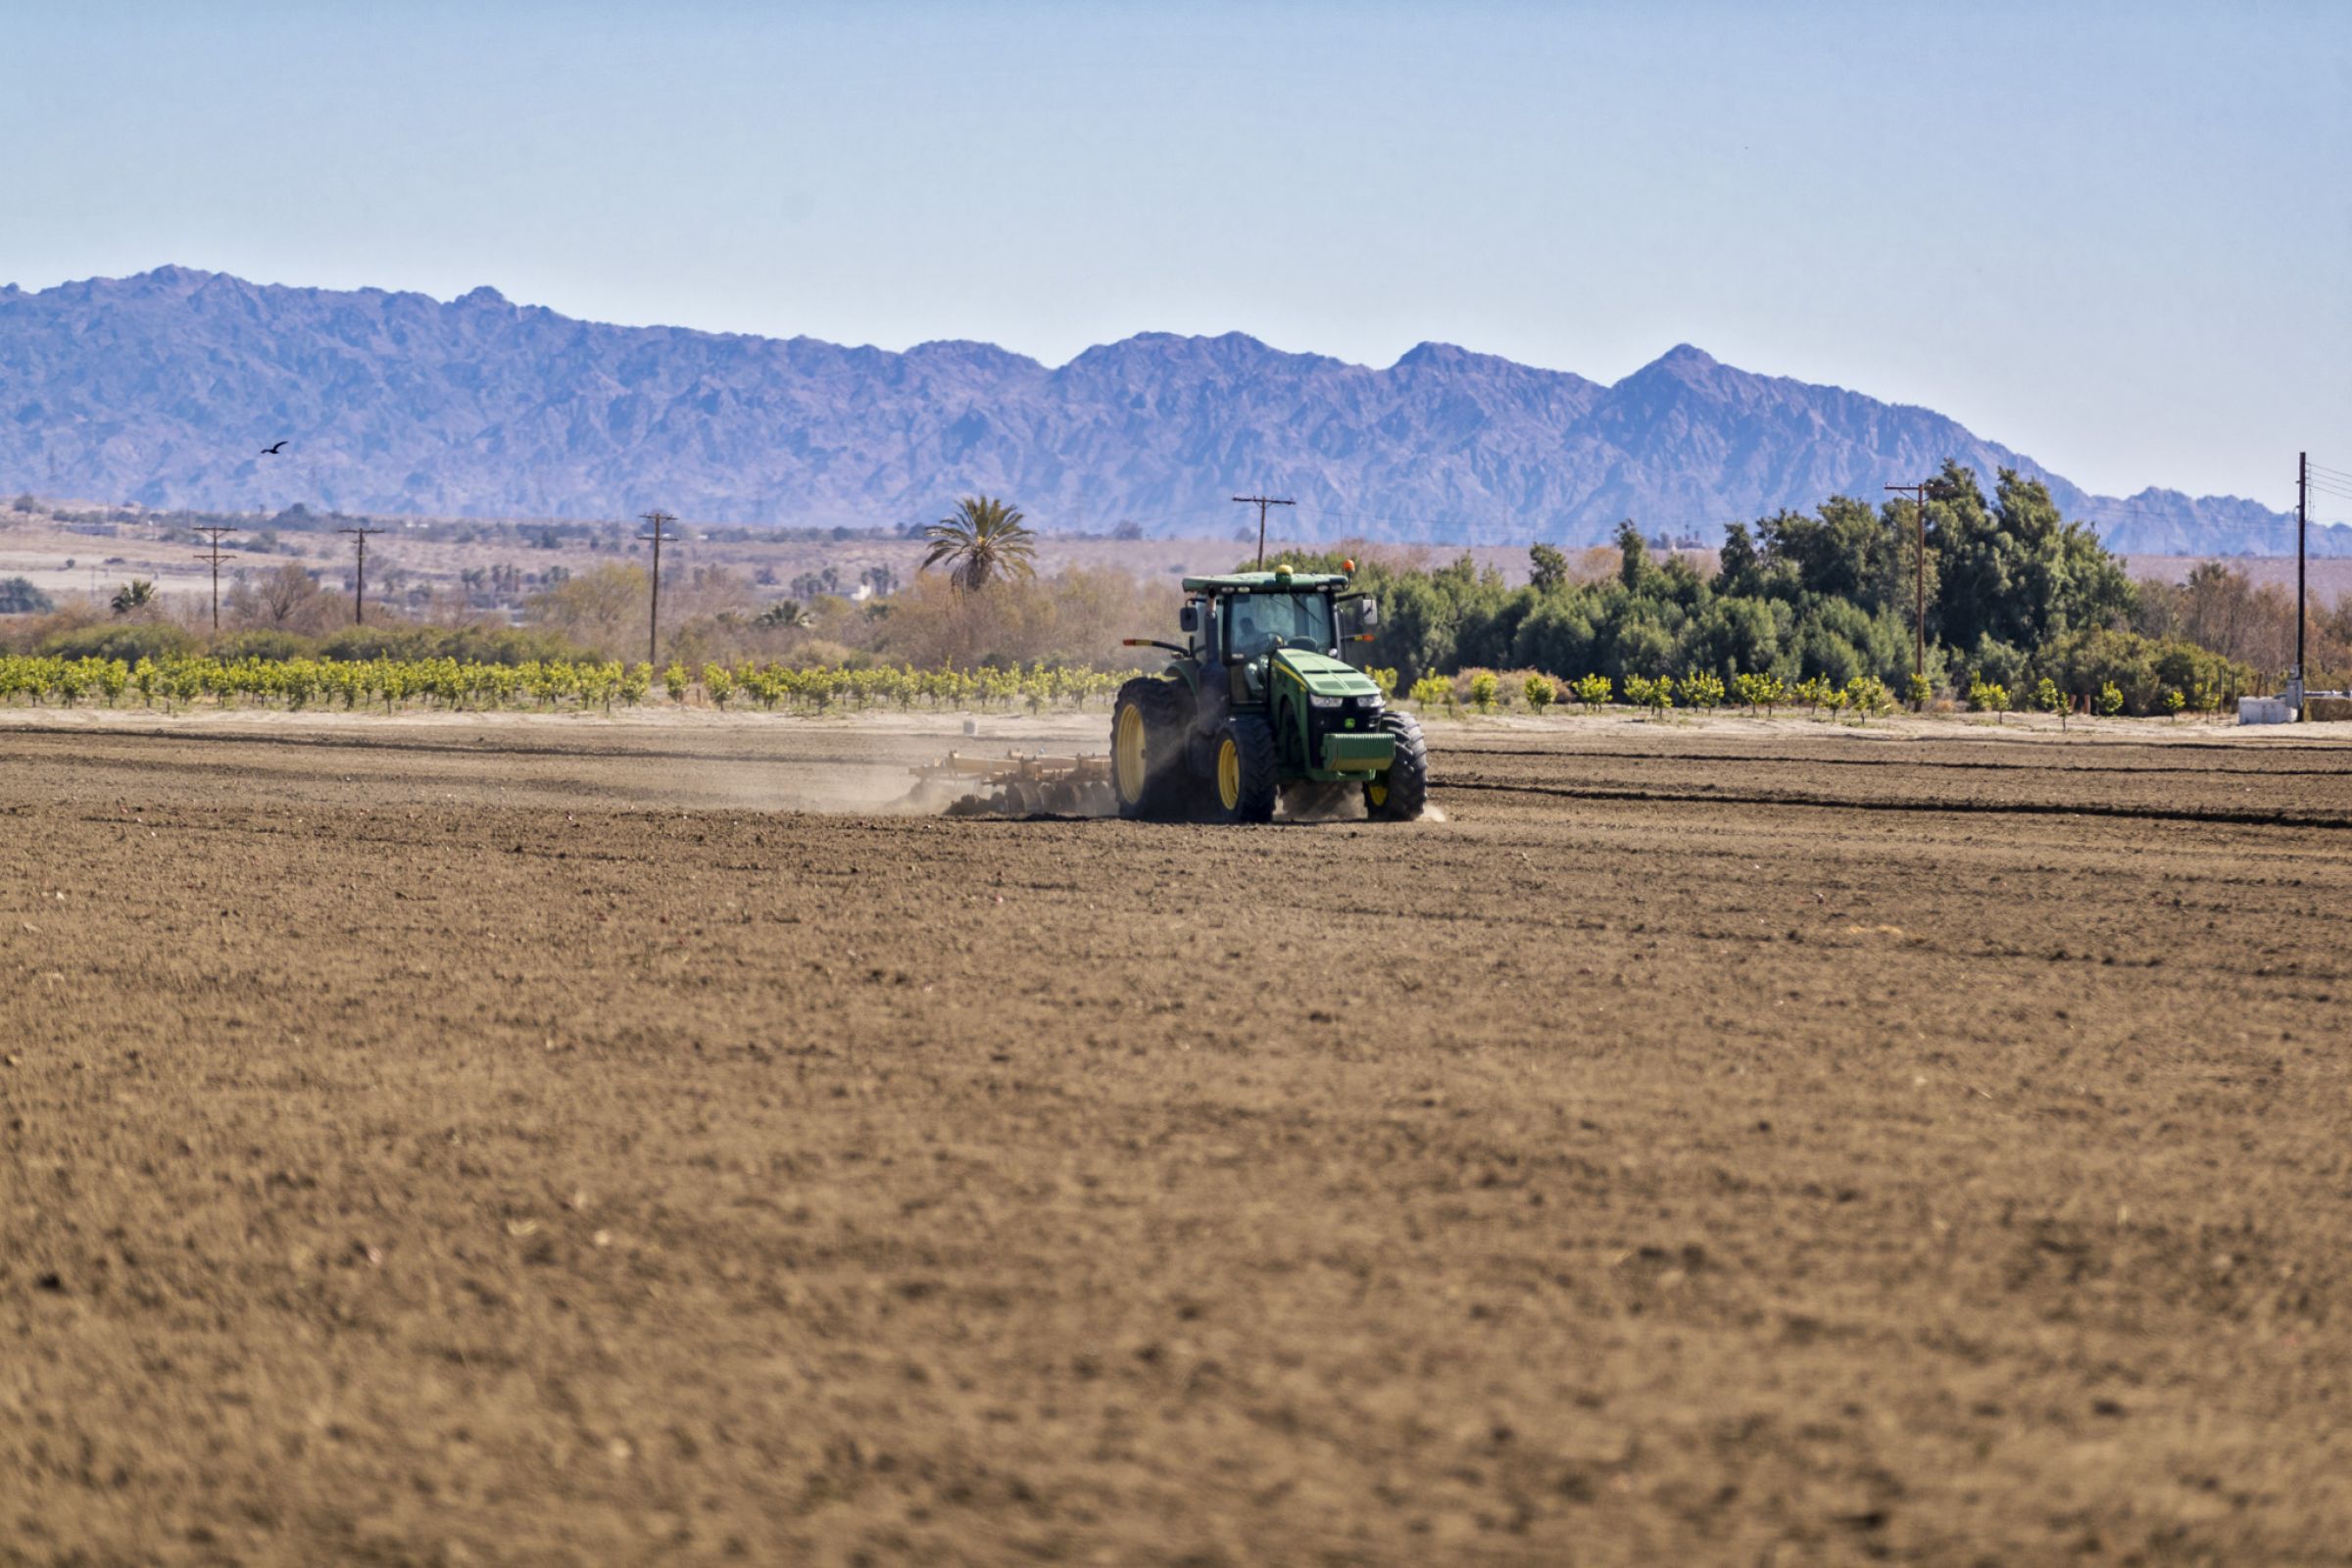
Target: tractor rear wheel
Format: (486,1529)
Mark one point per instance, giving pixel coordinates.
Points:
(1402,793)
(1146,748)
(1247,777)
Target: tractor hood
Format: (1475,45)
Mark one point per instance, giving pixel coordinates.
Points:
(1323,675)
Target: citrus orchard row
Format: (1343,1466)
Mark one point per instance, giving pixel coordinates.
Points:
(390,684)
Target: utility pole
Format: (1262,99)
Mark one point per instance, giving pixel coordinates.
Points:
(2302,526)
(1261,502)
(654,522)
(215,555)
(1919,609)
(359,593)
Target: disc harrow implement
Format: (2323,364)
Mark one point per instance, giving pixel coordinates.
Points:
(1022,784)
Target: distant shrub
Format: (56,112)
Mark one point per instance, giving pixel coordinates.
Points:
(386,641)
(2141,669)
(2109,702)
(468,645)
(1918,692)
(276,646)
(1483,689)
(1540,694)
(129,641)
(1593,691)
(18,597)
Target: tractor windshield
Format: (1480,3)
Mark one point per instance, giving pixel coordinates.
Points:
(1260,623)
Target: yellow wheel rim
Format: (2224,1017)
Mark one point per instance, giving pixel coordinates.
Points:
(1229,773)
(1127,753)
(1377,792)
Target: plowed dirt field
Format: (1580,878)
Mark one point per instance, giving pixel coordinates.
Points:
(544,1143)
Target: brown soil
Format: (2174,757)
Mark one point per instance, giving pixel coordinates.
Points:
(541,1146)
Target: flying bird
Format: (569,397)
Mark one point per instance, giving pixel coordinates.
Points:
(272,452)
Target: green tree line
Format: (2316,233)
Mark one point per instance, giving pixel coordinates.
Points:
(2013,592)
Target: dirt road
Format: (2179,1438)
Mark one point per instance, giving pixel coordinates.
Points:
(1708,1145)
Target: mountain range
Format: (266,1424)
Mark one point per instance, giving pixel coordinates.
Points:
(161,389)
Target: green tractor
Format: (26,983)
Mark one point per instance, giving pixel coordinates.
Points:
(1257,707)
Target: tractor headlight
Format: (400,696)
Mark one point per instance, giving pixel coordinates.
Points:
(1314,701)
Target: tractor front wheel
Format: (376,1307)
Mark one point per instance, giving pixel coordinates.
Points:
(1402,793)
(1248,776)
(1147,726)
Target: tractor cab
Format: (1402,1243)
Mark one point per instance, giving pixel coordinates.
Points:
(1234,625)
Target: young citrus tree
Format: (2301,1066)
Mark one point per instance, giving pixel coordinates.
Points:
(1867,694)
(2050,699)
(1703,689)
(1540,694)
(1655,695)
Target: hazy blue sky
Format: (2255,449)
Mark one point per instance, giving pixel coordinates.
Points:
(2115,236)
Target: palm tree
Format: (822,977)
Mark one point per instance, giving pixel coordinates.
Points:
(137,594)
(984,539)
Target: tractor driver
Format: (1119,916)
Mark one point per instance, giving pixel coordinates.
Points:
(1248,639)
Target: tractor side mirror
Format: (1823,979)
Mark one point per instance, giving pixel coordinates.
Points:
(1189,619)
(1369,615)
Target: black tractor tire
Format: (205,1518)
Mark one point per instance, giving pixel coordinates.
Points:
(1402,793)
(1154,752)
(1245,779)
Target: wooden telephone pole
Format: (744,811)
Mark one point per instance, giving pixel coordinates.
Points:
(1919,612)
(2302,531)
(1261,502)
(655,521)
(359,593)
(215,555)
